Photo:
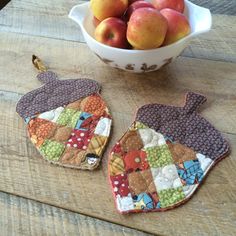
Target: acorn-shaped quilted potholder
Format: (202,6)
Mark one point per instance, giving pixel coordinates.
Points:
(67,120)
(163,157)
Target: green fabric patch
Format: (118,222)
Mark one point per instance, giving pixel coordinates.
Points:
(68,116)
(159,156)
(74,119)
(140,125)
(169,197)
(51,150)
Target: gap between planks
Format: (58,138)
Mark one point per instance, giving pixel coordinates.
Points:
(84,224)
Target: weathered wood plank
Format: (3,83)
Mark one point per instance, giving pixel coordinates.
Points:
(20,216)
(49,19)
(23,172)
(71,59)
(218,7)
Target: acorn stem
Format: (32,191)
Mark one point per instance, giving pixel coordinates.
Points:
(37,62)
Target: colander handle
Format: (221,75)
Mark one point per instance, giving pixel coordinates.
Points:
(193,101)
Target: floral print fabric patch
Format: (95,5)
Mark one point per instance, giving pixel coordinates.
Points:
(159,162)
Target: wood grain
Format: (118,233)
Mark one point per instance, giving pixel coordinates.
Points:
(212,211)
(70,59)
(20,216)
(49,19)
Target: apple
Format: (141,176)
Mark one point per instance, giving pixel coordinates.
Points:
(112,32)
(96,22)
(178,26)
(146,28)
(177,5)
(103,9)
(132,1)
(134,6)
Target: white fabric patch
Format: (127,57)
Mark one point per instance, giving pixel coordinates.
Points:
(204,161)
(151,138)
(189,189)
(124,203)
(51,115)
(103,127)
(166,177)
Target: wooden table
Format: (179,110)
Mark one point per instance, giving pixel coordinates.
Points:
(37,198)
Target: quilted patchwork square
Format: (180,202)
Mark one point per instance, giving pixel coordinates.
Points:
(136,160)
(166,177)
(51,150)
(181,153)
(190,172)
(103,127)
(159,156)
(52,115)
(94,105)
(143,201)
(205,162)
(97,144)
(72,156)
(120,185)
(67,117)
(116,165)
(141,181)
(39,130)
(170,197)
(124,203)
(83,121)
(61,134)
(151,138)
(79,139)
(75,105)
(140,125)
(131,141)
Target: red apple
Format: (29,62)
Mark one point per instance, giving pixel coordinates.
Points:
(146,28)
(132,1)
(177,5)
(136,5)
(103,9)
(96,22)
(178,26)
(112,32)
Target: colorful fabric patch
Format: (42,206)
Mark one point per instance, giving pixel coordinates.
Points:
(103,127)
(136,160)
(39,130)
(68,117)
(52,115)
(141,181)
(151,138)
(190,172)
(181,153)
(205,162)
(131,141)
(143,201)
(159,156)
(51,150)
(166,177)
(72,156)
(116,165)
(82,119)
(97,144)
(170,197)
(120,185)
(124,204)
(94,105)
(79,139)
(139,125)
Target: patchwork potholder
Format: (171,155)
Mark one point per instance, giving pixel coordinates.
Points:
(163,157)
(67,120)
